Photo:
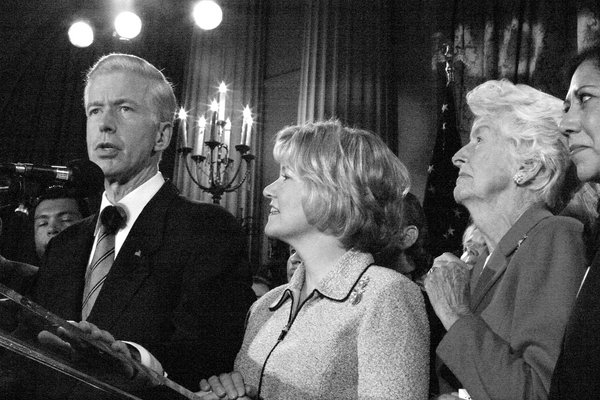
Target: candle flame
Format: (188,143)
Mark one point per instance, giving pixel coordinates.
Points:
(202,122)
(247,113)
(222,87)
(182,113)
(214,106)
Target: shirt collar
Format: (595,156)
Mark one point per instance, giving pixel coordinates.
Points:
(337,284)
(135,201)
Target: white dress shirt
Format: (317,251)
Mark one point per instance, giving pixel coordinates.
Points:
(133,204)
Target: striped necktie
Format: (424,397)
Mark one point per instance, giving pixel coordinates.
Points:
(112,219)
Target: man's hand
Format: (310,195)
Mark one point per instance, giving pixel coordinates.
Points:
(78,349)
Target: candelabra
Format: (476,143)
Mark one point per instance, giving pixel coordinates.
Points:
(211,158)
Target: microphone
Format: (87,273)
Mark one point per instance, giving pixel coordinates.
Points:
(38,171)
(81,174)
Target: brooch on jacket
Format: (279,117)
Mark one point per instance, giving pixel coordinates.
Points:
(357,292)
(521,240)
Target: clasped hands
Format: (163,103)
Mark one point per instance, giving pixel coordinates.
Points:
(447,285)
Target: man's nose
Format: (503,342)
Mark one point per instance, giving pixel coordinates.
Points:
(107,121)
(53,229)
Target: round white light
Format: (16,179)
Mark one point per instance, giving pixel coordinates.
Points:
(128,25)
(207,14)
(81,34)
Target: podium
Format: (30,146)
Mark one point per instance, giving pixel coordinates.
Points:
(32,369)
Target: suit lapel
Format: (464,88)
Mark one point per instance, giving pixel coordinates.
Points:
(501,256)
(82,248)
(477,270)
(494,269)
(133,264)
(588,287)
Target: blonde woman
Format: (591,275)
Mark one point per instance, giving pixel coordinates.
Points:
(342,328)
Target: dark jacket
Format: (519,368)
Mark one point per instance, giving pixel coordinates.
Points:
(180,285)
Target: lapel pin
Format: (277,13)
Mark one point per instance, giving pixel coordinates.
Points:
(521,241)
(138,253)
(356,295)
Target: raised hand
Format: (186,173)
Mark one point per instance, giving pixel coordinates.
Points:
(447,285)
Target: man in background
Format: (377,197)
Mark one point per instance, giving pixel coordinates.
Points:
(54,210)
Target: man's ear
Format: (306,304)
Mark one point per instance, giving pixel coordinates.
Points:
(410,234)
(527,172)
(163,136)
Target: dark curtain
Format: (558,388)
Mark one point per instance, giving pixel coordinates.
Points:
(41,91)
(348,65)
(525,41)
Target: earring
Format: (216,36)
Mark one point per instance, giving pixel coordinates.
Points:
(519,178)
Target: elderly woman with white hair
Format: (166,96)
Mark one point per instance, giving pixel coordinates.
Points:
(504,333)
(343,327)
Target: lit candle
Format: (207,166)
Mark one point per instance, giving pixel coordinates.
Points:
(249,131)
(214,107)
(227,132)
(247,126)
(199,144)
(183,140)
(246,119)
(222,95)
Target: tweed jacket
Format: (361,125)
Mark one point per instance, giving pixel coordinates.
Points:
(508,348)
(362,334)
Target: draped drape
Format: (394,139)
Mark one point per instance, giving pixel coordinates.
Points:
(525,41)
(347,65)
(233,53)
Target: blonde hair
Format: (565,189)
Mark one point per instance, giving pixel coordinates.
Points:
(355,184)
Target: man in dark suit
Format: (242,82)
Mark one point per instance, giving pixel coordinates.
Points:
(178,288)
